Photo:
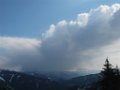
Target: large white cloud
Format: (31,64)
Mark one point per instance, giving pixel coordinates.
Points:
(80,44)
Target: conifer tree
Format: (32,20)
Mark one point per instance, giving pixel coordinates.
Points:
(110,77)
(107,76)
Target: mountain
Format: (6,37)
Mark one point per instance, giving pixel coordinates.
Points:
(87,82)
(56,76)
(34,81)
(4,85)
(23,81)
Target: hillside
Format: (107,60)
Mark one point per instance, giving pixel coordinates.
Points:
(23,81)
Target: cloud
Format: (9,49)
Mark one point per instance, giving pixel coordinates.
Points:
(73,43)
(18,43)
(80,44)
(15,53)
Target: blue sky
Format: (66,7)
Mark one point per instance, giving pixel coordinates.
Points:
(30,18)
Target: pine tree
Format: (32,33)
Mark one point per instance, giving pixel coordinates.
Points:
(117,78)
(110,77)
(107,76)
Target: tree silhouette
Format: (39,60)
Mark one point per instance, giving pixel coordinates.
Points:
(110,77)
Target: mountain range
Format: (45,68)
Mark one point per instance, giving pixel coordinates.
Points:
(13,80)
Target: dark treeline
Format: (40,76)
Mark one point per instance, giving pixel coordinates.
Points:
(110,77)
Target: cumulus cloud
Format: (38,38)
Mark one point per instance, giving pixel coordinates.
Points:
(80,44)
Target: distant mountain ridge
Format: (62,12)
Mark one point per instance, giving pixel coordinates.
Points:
(31,81)
(65,75)
(87,82)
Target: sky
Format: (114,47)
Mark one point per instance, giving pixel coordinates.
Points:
(59,35)
(30,18)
